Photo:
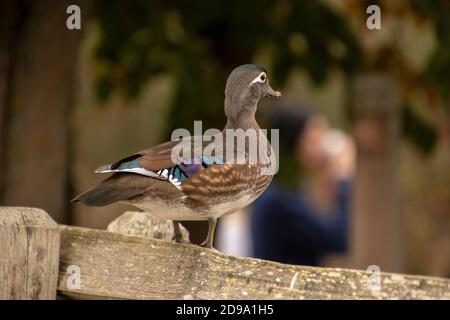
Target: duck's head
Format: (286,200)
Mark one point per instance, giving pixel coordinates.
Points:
(245,86)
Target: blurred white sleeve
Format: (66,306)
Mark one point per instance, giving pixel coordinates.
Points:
(233,234)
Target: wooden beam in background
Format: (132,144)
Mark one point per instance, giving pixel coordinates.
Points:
(375,223)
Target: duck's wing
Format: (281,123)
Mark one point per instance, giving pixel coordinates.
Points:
(150,169)
(122,187)
(146,162)
(173,161)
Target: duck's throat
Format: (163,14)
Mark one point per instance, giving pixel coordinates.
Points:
(243,121)
(241,116)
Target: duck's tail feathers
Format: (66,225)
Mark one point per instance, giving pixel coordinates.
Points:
(109,191)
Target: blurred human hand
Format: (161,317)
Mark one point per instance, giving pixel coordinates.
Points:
(341,152)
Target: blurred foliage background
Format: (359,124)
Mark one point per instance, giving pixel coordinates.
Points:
(200,49)
(315,37)
(72,100)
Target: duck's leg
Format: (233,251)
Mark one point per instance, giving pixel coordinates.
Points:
(210,237)
(177,235)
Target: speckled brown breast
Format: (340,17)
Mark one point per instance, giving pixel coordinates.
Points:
(225,183)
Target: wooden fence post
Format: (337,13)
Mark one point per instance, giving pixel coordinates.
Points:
(376,238)
(29,254)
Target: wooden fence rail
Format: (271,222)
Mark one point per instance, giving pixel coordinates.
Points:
(101,264)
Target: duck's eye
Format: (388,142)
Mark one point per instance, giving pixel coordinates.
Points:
(262,78)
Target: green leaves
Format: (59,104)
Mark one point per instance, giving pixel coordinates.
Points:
(419,132)
(438,71)
(142,38)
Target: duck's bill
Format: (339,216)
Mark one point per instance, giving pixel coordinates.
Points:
(272,94)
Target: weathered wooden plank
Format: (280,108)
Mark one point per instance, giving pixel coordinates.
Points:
(119,266)
(29,254)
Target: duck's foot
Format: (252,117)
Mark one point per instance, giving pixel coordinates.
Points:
(208,243)
(205,244)
(208,246)
(179,239)
(177,234)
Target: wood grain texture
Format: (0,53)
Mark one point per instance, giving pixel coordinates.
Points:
(119,266)
(29,254)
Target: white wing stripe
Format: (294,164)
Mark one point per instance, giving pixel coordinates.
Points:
(161,174)
(140,171)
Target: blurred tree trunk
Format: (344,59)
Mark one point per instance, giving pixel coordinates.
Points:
(375,223)
(9,24)
(37,94)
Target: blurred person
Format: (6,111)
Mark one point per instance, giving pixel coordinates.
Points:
(303,216)
(233,234)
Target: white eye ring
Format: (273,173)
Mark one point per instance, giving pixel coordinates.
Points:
(262,77)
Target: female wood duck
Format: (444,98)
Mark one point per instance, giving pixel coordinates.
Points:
(205,189)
